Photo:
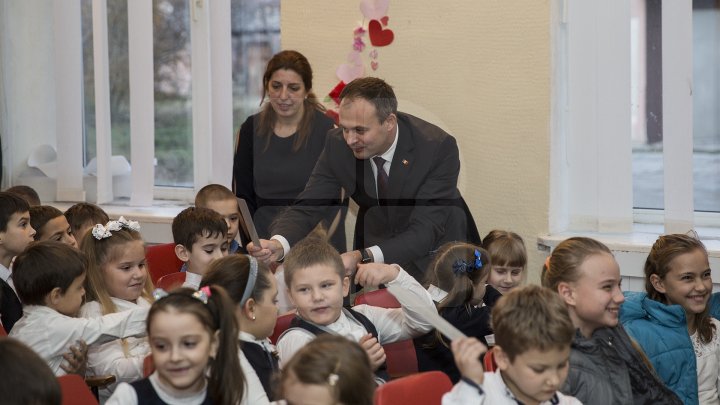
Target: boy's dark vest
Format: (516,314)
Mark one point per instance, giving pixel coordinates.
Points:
(10,307)
(264,364)
(298,322)
(146,394)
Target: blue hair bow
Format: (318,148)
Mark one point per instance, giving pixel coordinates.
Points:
(462,266)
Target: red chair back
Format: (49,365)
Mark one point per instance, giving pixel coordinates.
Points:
(148,365)
(401,358)
(3,332)
(161,260)
(489,360)
(171,281)
(75,391)
(421,388)
(282,324)
(378,298)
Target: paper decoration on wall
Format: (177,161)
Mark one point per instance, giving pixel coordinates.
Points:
(375,13)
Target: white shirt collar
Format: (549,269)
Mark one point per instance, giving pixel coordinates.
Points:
(5,273)
(389,154)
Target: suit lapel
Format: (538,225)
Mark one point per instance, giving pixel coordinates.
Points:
(402,162)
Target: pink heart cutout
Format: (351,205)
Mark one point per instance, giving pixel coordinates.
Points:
(374,65)
(350,71)
(374,9)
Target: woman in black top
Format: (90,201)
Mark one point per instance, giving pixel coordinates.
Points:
(278,147)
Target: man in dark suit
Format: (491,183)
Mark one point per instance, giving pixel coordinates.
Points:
(400,170)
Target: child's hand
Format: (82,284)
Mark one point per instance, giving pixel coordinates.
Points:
(466,352)
(76,359)
(374,350)
(374,274)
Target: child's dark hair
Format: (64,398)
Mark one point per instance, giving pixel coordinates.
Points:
(455,270)
(665,249)
(81,214)
(335,361)
(311,251)
(566,259)
(232,272)
(40,215)
(44,266)
(27,193)
(102,251)
(213,192)
(505,248)
(194,222)
(531,317)
(10,204)
(25,378)
(225,382)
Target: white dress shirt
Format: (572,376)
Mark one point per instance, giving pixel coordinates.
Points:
(50,333)
(6,276)
(392,324)
(493,392)
(122,358)
(192,280)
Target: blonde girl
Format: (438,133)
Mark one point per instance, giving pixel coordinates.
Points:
(606,367)
(509,260)
(117,280)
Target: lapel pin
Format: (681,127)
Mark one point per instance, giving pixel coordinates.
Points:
(405,162)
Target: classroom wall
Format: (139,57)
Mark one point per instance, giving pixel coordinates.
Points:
(479,69)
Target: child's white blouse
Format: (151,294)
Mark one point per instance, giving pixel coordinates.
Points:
(125,394)
(392,324)
(708,366)
(192,280)
(50,333)
(494,392)
(122,358)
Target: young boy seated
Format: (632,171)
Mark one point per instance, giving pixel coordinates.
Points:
(50,224)
(533,333)
(49,278)
(200,236)
(16,234)
(82,217)
(27,193)
(221,200)
(315,276)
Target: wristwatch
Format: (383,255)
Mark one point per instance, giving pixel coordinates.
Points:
(366,258)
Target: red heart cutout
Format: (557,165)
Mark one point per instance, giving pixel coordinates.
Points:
(385,20)
(379,36)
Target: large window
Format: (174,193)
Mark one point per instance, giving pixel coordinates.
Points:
(255,37)
(647,118)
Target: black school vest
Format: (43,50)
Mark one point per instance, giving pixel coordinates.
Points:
(10,307)
(264,364)
(298,322)
(147,396)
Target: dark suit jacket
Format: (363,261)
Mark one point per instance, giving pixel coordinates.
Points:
(423,210)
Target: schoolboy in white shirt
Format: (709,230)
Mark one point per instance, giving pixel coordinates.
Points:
(533,333)
(49,277)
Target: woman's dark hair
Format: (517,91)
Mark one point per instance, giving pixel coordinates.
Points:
(295,61)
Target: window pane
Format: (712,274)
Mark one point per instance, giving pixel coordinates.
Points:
(647,105)
(255,39)
(173,101)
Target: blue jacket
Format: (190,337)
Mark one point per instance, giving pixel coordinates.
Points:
(661,330)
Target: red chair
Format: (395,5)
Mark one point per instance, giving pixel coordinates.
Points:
(3,332)
(171,281)
(148,365)
(378,298)
(282,324)
(489,361)
(75,391)
(161,260)
(401,357)
(421,388)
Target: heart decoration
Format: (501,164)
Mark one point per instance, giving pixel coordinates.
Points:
(385,20)
(373,54)
(350,71)
(374,9)
(374,65)
(378,35)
